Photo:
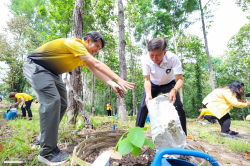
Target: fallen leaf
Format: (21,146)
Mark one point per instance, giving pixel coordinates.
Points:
(247,156)
(1,147)
(190,137)
(218,130)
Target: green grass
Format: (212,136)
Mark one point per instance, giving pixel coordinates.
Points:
(211,134)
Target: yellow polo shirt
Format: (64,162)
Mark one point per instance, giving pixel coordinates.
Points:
(220,101)
(61,55)
(109,107)
(24,95)
(206,112)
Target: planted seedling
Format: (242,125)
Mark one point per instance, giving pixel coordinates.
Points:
(133,142)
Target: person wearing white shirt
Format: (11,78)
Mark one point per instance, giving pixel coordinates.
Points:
(163,74)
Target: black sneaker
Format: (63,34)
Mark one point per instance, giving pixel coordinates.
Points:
(36,145)
(234,132)
(55,157)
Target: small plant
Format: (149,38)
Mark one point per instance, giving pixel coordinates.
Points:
(93,122)
(133,142)
(79,124)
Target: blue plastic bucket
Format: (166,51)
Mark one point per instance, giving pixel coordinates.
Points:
(159,161)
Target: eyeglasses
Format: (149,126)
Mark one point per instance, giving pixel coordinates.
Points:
(167,70)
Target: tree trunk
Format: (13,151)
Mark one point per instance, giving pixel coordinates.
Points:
(93,95)
(176,52)
(87,120)
(132,73)
(207,51)
(122,61)
(134,95)
(243,114)
(104,100)
(76,95)
(110,100)
(238,112)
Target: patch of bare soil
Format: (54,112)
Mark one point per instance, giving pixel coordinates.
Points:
(224,156)
(3,106)
(145,157)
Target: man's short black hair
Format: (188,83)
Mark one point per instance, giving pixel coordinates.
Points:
(199,108)
(157,43)
(94,36)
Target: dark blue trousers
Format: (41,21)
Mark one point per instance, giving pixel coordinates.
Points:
(155,91)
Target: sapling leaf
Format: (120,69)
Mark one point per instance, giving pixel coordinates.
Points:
(136,136)
(149,143)
(119,141)
(136,151)
(144,128)
(125,147)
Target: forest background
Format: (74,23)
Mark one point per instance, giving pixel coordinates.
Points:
(36,22)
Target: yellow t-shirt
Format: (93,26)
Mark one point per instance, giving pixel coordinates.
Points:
(206,112)
(109,107)
(24,95)
(61,55)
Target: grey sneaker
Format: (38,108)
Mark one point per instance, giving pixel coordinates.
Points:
(55,157)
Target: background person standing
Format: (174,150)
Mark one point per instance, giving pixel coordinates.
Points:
(109,109)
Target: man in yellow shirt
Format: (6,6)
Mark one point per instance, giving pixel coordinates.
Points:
(206,114)
(27,101)
(43,69)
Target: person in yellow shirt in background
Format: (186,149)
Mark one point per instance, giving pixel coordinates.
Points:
(248,118)
(43,69)
(206,115)
(26,99)
(221,101)
(109,109)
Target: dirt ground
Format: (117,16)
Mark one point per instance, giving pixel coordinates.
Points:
(223,155)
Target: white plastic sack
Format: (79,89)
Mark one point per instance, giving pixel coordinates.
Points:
(166,128)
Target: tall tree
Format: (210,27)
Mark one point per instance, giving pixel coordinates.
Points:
(75,77)
(122,61)
(13,50)
(206,45)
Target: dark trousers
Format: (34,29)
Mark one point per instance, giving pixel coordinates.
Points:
(155,91)
(109,112)
(28,104)
(211,119)
(225,123)
(52,95)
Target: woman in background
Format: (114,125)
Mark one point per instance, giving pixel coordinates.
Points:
(26,99)
(221,101)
